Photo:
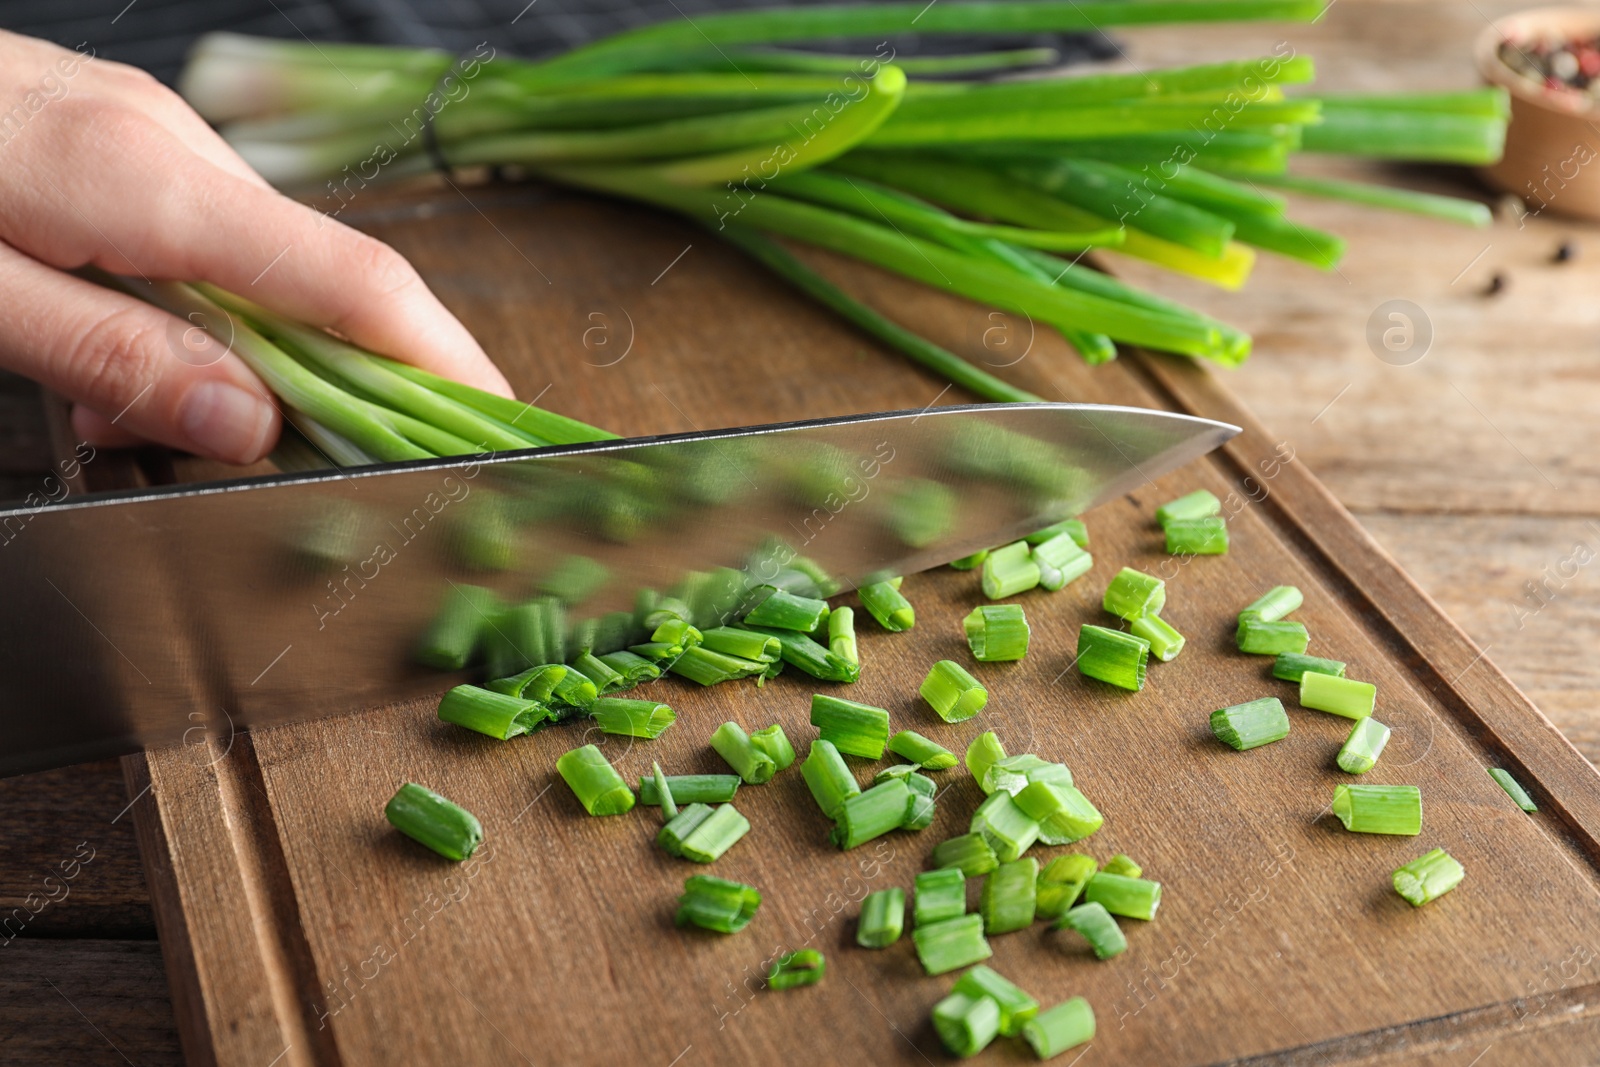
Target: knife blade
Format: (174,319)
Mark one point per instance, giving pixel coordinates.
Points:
(185,613)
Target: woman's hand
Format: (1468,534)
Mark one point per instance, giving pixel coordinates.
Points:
(101,165)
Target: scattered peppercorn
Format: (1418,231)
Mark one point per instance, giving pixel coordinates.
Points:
(1566,252)
(1558,65)
(1497,285)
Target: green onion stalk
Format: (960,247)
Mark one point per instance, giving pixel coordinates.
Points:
(993,190)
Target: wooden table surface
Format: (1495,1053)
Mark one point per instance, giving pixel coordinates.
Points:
(1467,464)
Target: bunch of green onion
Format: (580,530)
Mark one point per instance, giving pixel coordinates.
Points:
(992,189)
(350,407)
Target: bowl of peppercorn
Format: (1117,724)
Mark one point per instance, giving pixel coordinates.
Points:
(1549,61)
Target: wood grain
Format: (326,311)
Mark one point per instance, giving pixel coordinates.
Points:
(1269,903)
(89,1002)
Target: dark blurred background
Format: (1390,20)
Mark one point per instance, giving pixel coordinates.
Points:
(155,34)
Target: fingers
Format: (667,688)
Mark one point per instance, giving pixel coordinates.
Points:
(172,214)
(130,363)
(91,426)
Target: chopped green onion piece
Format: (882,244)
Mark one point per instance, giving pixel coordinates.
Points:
(717,904)
(952,944)
(1251,724)
(733,745)
(966,563)
(1113,657)
(669,807)
(1062,813)
(938,895)
(1009,570)
(457,631)
(798,650)
(1165,641)
(1197,537)
(1061,560)
(692,789)
(549,683)
(953,693)
(1200,504)
(785,611)
(1062,879)
(677,829)
(434,822)
(715,834)
(1261,638)
(596,784)
(635,670)
(983,753)
(741,644)
(1363,746)
(1016,1006)
(921,808)
(929,755)
(828,778)
(792,969)
(772,742)
(490,713)
(885,603)
(1133,593)
(1513,789)
(1135,898)
(1097,926)
(966,1024)
(700,664)
(1073,528)
(842,635)
(1290,666)
(1008,829)
(997,633)
(633,718)
(1337,696)
(605,679)
(883,916)
(1428,877)
(1275,603)
(1010,896)
(970,852)
(1011,773)
(854,729)
(1055,1030)
(871,814)
(1123,864)
(1379,809)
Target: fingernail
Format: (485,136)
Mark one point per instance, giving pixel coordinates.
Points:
(226,422)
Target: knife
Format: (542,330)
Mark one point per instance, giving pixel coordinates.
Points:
(187,612)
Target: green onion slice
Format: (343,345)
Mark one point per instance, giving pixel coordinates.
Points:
(596,784)
(842,635)
(854,729)
(734,745)
(784,611)
(952,944)
(717,904)
(952,693)
(1123,864)
(692,789)
(802,967)
(1251,724)
(1197,537)
(1200,504)
(1062,813)
(1428,877)
(1008,829)
(457,631)
(1379,809)
(997,633)
(1061,560)
(1055,1030)
(1097,926)
(492,714)
(1060,883)
(969,852)
(1016,1006)
(633,718)
(828,778)
(1113,657)
(1275,603)
(432,821)
(1363,746)
(1133,593)
(714,835)
(1010,895)
(1165,641)
(929,755)
(1337,696)
(883,915)
(1291,666)
(984,752)
(938,895)
(1513,789)
(1134,898)
(1262,638)
(774,744)
(871,814)
(885,603)
(966,1024)
(1009,570)
(669,807)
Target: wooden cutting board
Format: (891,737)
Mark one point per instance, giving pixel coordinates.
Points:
(300,929)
